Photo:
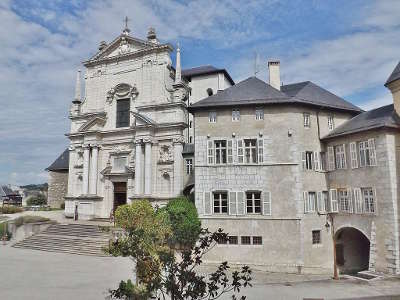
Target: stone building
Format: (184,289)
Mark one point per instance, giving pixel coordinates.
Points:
(129,129)
(290,170)
(58,180)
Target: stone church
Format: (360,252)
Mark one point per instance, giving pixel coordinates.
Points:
(301,179)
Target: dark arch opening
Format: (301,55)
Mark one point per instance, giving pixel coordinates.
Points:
(352,250)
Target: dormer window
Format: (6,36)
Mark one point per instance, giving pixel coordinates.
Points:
(123,108)
(210,92)
(331,124)
(212,117)
(235,115)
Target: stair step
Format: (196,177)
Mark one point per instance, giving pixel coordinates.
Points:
(90,253)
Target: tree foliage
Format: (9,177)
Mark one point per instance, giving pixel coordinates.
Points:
(160,271)
(39,199)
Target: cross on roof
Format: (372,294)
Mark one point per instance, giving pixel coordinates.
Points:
(126,22)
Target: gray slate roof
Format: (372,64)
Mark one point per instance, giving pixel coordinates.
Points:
(255,91)
(205,70)
(381,117)
(394,76)
(61,163)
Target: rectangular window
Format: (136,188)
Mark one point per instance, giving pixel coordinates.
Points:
(331,159)
(334,207)
(220,152)
(331,124)
(233,240)
(321,202)
(353,155)
(253,202)
(367,153)
(240,151)
(259,114)
(316,237)
(250,151)
(190,140)
(344,200)
(309,201)
(309,160)
(123,113)
(340,156)
(235,115)
(119,164)
(307,121)
(358,201)
(220,203)
(257,240)
(190,124)
(222,240)
(189,166)
(212,117)
(210,152)
(322,161)
(369,200)
(245,240)
(230,152)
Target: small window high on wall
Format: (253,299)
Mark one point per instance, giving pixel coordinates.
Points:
(123,108)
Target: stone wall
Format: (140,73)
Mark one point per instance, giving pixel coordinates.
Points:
(58,185)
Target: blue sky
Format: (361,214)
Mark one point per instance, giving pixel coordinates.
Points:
(348,47)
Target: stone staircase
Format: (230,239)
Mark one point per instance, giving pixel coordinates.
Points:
(68,238)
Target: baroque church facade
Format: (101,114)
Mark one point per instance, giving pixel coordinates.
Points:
(302,180)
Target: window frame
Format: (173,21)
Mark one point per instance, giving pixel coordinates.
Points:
(257,238)
(307,120)
(235,115)
(331,122)
(245,237)
(316,237)
(220,205)
(220,152)
(189,166)
(366,200)
(121,114)
(212,117)
(252,150)
(259,114)
(253,201)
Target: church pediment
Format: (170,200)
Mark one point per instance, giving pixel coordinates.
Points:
(124,44)
(140,120)
(94,124)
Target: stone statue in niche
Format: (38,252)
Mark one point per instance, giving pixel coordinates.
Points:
(166,155)
(124,46)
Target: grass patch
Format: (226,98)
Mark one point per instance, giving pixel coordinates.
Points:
(10,209)
(4,232)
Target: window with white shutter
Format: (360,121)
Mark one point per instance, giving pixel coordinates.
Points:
(344,200)
(334,200)
(230,152)
(306,203)
(232,203)
(331,159)
(358,203)
(353,155)
(311,201)
(260,150)
(321,208)
(240,203)
(372,152)
(210,152)
(369,196)
(240,152)
(266,203)
(340,152)
(303,160)
(325,199)
(317,164)
(207,203)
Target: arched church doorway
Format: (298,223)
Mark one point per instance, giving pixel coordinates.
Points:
(120,196)
(352,250)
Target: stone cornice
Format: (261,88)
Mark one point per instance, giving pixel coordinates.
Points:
(139,53)
(88,115)
(162,106)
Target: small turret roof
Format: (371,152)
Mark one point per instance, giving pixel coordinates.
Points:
(61,163)
(394,76)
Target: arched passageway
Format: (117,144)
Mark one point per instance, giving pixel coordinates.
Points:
(352,250)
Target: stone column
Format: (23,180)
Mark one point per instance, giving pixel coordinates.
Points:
(85,179)
(93,170)
(147,167)
(178,165)
(138,168)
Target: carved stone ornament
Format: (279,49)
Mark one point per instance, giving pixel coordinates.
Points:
(121,148)
(166,155)
(122,90)
(166,172)
(124,46)
(179,139)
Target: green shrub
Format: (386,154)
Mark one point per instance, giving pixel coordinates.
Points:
(185,222)
(10,209)
(3,230)
(38,200)
(62,206)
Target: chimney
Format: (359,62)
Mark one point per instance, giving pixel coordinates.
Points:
(274,74)
(393,84)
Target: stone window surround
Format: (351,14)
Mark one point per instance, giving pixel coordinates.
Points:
(307,120)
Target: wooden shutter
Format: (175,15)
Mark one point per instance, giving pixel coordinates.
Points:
(240,153)
(353,155)
(267,203)
(207,203)
(232,203)
(260,150)
(306,202)
(331,159)
(372,152)
(375,202)
(358,203)
(334,200)
(317,163)
(229,151)
(320,203)
(344,157)
(303,160)
(350,197)
(210,152)
(240,203)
